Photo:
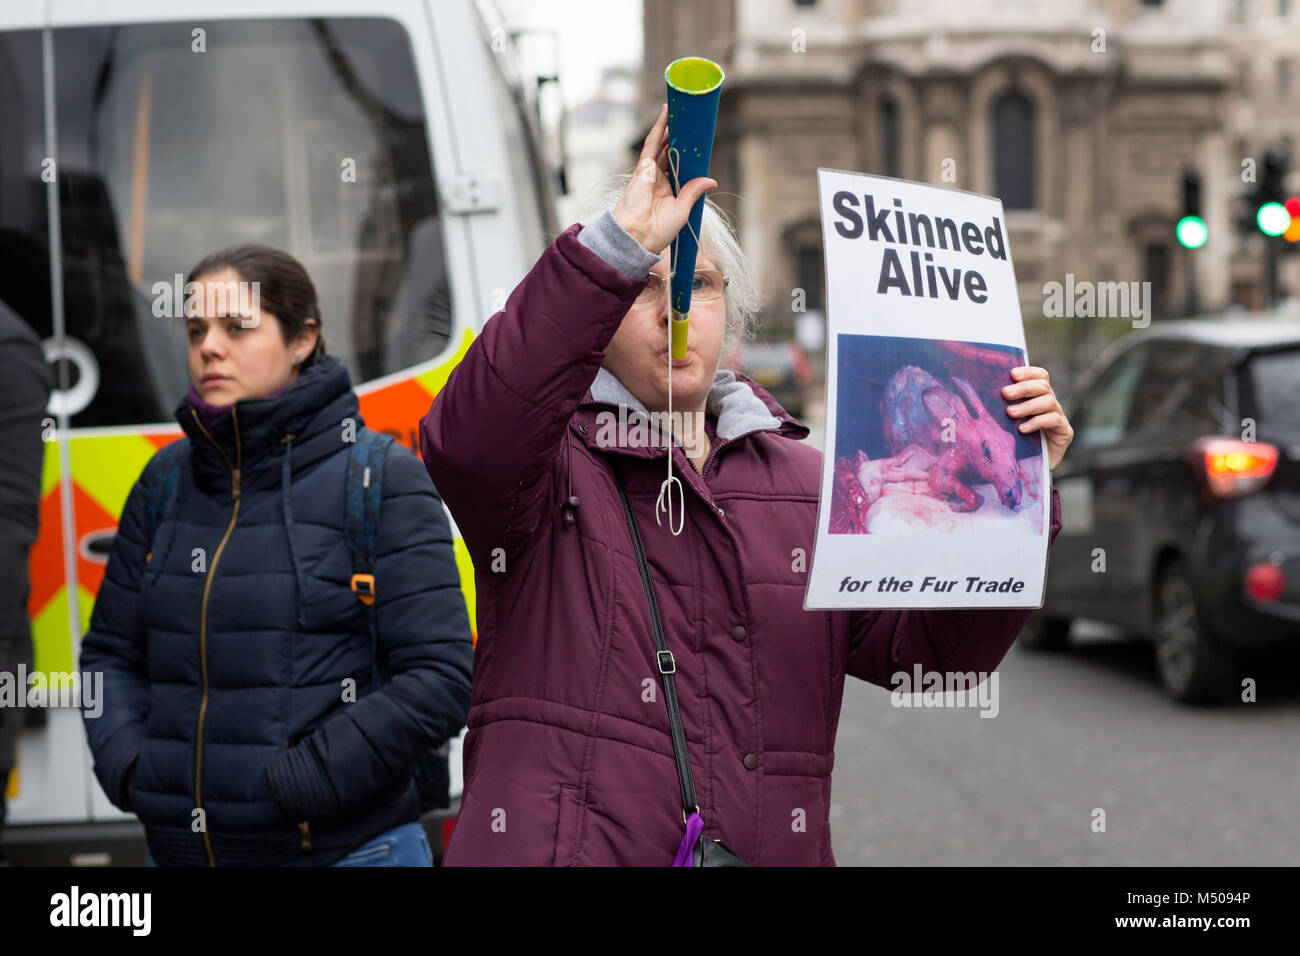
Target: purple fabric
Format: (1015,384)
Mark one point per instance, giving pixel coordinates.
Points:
(210,413)
(561,741)
(686,852)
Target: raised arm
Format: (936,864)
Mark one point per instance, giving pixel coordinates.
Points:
(493,433)
(494,430)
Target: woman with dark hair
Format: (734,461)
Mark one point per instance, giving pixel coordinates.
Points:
(244,720)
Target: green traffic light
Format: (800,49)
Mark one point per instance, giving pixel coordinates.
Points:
(1192,232)
(1273,219)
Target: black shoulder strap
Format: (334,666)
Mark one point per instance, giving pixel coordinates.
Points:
(171,459)
(362,498)
(664,657)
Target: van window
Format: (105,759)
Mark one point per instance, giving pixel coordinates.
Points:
(1103,415)
(175,140)
(24,226)
(524,162)
(1275,386)
(1180,392)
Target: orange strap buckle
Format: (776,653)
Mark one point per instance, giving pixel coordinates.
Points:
(363,586)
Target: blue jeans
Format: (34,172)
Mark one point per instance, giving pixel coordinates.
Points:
(401,846)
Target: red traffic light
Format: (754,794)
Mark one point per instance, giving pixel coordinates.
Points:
(1292,232)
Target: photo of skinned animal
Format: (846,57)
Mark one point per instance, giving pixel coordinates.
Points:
(924,443)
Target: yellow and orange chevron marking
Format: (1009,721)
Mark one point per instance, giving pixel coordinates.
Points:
(105,465)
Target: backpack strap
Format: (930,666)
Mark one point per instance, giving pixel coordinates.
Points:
(362,497)
(171,459)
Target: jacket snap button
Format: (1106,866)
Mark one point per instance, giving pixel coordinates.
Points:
(737,633)
(751,761)
(720,511)
(583,429)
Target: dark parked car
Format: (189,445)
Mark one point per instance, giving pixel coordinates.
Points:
(1181,500)
(780,367)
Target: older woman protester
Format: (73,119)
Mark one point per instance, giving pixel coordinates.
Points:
(569,758)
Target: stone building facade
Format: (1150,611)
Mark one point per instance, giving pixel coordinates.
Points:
(1080,114)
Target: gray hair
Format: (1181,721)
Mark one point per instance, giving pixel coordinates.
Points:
(743,298)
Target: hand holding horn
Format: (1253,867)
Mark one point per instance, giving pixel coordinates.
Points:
(648,210)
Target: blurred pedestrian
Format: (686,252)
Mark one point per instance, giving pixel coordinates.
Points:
(24,393)
(569,754)
(245,720)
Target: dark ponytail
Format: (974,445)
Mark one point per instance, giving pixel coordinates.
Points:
(283,286)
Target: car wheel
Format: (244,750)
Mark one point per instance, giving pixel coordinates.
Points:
(1193,668)
(1042,632)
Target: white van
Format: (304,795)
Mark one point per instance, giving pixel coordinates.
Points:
(388,145)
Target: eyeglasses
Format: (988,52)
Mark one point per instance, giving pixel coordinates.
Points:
(708,285)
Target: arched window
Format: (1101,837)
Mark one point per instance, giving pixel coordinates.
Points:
(887,124)
(1014,167)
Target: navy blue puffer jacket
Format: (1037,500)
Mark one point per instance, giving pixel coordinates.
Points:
(229,637)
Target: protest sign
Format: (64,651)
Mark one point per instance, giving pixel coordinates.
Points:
(930,497)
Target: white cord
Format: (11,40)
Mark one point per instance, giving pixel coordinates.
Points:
(665,500)
(666,488)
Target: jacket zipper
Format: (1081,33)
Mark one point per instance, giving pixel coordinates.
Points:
(203,614)
(712,455)
(718,446)
(704,472)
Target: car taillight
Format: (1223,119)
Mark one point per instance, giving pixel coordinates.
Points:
(1265,581)
(1233,468)
(799,361)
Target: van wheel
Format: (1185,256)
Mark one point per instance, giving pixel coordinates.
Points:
(1042,632)
(1193,668)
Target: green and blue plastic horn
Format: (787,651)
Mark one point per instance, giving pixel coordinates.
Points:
(694,85)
